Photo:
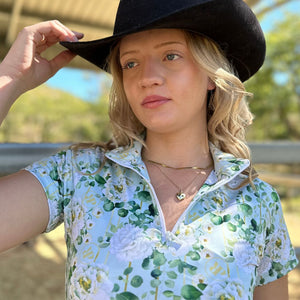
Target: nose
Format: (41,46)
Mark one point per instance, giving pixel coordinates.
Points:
(151,74)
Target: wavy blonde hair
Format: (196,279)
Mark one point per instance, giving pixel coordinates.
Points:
(228,114)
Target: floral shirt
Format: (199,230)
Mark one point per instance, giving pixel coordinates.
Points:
(226,242)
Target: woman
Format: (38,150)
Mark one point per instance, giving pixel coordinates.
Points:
(171,208)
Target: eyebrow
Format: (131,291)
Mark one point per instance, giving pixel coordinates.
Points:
(155,47)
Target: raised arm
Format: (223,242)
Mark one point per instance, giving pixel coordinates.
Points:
(23,68)
(23,204)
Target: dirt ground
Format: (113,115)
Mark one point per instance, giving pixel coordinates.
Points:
(35,271)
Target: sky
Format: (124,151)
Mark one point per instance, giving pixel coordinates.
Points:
(87,84)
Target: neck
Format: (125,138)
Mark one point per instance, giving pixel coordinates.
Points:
(180,149)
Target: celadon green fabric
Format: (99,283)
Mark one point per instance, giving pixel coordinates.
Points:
(226,242)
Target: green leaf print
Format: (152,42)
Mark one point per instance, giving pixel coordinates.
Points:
(53,174)
(274,196)
(254,225)
(158,258)
(136,281)
(153,210)
(127,270)
(99,179)
(170,283)
(122,212)
(146,263)
(155,283)
(172,275)
(216,220)
(168,294)
(119,204)
(144,196)
(226,218)
(193,255)
(108,206)
(235,168)
(116,288)
(277,266)
(156,273)
(231,227)
(246,209)
(189,292)
(201,286)
(126,296)
(248,198)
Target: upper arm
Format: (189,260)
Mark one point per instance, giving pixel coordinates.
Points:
(24,210)
(277,289)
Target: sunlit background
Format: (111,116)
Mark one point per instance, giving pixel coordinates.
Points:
(72,107)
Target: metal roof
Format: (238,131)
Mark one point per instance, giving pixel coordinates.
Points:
(95,18)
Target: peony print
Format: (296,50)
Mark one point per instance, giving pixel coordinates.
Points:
(264,266)
(130,243)
(78,222)
(278,246)
(91,282)
(245,256)
(224,290)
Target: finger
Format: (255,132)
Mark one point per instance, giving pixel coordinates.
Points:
(53,31)
(60,61)
(79,35)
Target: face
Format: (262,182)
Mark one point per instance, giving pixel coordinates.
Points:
(164,86)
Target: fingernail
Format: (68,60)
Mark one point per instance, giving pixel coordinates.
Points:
(75,39)
(68,39)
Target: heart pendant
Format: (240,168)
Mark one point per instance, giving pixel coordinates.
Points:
(180,196)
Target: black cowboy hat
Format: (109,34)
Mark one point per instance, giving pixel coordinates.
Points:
(230,23)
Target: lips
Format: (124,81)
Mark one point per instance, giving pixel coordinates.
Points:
(154,101)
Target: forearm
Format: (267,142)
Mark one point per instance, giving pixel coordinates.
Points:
(9,92)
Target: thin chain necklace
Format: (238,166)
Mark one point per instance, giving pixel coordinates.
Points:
(179,168)
(180,195)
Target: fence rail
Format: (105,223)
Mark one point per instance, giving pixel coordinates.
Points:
(16,156)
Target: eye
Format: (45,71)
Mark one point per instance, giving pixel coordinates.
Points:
(129,65)
(172,56)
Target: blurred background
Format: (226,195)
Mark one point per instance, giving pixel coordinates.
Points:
(72,107)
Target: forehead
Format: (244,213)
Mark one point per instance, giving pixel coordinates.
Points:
(153,36)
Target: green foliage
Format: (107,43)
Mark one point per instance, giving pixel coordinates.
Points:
(276,87)
(48,115)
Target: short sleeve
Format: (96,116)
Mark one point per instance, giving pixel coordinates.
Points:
(55,175)
(279,257)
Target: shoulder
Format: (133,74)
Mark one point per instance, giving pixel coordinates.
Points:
(69,160)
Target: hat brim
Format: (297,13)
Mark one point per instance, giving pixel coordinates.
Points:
(231,24)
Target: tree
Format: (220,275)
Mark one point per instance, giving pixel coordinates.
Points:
(48,115)
(276,87)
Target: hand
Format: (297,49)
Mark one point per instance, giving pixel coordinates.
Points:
(24,63)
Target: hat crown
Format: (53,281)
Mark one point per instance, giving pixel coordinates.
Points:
(139,13)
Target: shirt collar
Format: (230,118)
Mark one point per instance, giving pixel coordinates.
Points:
(226,165)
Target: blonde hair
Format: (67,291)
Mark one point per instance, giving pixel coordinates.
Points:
(228,114)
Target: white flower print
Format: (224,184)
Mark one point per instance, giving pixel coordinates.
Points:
(264,266)
(77,222)
(198,278)
(130,243)
(245,256)
(224,290)
(97,212)
(91,282)
(278,247)
(206,254)
(90,224)
(180,243)
(207,227)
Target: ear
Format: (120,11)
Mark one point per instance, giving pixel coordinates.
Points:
(210,85)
